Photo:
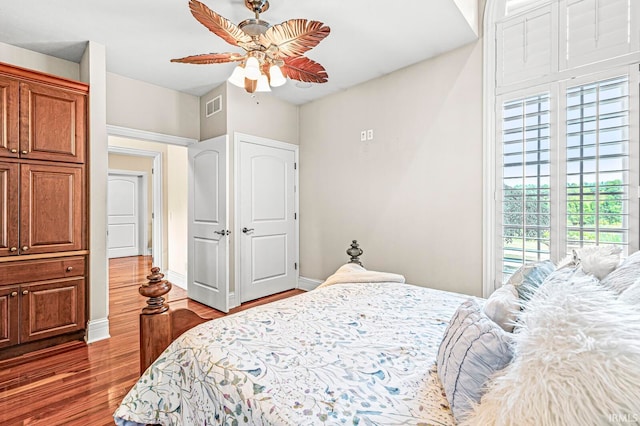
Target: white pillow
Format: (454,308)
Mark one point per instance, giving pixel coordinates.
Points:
(632,294)
(577,361)
(599,261)
(624,275)
(503,307)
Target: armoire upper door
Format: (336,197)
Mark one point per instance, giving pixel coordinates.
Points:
(9,176)
(51,208)
(52,125)
(8,117)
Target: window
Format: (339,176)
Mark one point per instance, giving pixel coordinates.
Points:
(598,163)
(562,119)
(526,217)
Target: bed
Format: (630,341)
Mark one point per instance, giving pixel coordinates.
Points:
(347,352)
(556,345)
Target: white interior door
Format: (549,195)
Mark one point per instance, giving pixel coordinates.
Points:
(268,237)
(123,212)
(208,251)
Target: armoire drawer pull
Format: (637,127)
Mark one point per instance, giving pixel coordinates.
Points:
(14,293)
(14,151)
(69,268)
(25,292)
(25,248)
(13,249)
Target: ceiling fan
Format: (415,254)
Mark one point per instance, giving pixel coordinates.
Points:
(271,52)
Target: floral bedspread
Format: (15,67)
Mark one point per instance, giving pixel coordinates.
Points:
(346,354)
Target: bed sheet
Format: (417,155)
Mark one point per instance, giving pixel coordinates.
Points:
(345,354)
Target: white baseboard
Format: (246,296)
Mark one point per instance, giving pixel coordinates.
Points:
(308,284)
(97,330)
(176,278)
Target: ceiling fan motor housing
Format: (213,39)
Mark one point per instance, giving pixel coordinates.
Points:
(254,27)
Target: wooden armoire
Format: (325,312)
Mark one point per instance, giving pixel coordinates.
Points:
(43,210)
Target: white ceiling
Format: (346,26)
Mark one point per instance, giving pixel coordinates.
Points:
(369,38)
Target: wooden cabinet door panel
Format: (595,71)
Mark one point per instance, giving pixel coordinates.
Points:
(50,308)
(52,123)
(8,209)
(8,117)
(51,208)
(9,316)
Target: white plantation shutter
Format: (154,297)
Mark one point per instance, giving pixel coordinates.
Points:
(525,47)
(596,30)
(525,172)
(597,163)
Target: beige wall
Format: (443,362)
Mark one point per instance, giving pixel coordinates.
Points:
(142,106)
(215,125)
(93,71)
(177,202)
(137,164)
(413,195)
(36,61)
(261,115)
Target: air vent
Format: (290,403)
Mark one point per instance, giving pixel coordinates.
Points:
(213,106)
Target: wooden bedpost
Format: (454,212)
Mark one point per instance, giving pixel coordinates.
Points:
(155,319)
(160,325)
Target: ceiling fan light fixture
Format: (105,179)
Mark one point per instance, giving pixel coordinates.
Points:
(252,68)
(237,77)
(263,84)
(277,79)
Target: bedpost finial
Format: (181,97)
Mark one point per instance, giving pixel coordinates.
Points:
(154,290)
(355,252)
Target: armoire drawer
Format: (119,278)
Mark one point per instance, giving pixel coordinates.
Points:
(38,270)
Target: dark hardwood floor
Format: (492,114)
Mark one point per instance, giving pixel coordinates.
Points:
(84,384)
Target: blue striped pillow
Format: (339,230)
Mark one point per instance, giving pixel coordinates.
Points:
(472,350)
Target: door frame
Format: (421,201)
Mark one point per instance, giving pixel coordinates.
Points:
(143,233)
(156,188)
(239,138)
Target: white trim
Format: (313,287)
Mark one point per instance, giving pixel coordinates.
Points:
(144,135)
(157,197)
(308,284)
(492,8)
(143,233)
(237,285)
(97,330)
(177,279)
(233,303)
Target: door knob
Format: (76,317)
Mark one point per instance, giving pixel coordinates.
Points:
(14,151)
(247,230)
(14,293)
(25,292)
(13,249)
(25,248)
(222,233)
(25,152)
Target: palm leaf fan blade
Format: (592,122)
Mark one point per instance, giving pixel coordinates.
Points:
(304,69)
(218,25)
(210,58)
(295,36)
